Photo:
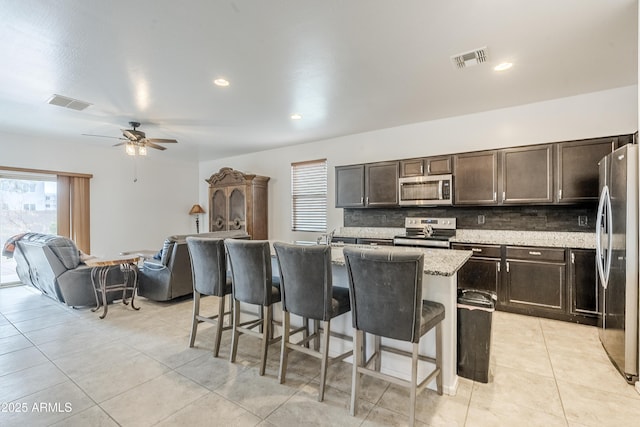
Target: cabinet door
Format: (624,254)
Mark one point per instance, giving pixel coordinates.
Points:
(583,286)
(476,178)
(237,208)
(535,284)
(219,211)
(350,186)
(381,184)
(480,273)
(438,165)
(527,175)
(578,168)
(411,167)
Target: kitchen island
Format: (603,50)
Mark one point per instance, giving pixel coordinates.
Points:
(439,284)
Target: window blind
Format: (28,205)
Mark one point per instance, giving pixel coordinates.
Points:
(309,196)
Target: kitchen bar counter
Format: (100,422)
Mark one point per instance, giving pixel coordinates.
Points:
(439,283)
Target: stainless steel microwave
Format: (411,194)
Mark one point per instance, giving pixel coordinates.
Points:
(426,190)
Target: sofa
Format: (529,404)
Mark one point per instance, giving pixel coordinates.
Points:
(52,264)
(168,275)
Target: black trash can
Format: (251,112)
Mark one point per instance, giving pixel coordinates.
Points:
(475,312)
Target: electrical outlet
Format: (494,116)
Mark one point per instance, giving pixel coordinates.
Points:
(480,219)
(582,220)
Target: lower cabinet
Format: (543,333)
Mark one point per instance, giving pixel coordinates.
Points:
(535,278)
(554,283)
(482,271)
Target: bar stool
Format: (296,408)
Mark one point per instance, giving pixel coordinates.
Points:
(209,271)
(386,301)
(250,262)
(307,291)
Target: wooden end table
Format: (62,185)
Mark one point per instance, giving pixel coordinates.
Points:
(100,270)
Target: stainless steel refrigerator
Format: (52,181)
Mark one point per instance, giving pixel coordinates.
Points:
(617,258)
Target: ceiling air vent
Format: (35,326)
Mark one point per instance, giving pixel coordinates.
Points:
(63,101)
(468,59)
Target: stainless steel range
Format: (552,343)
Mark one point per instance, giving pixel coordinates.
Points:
(427,233)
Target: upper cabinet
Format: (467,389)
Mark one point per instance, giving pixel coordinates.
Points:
(578,168)
(527,175)
(439,165)
(476,178)
(350,186)
(381,184)
(367,185)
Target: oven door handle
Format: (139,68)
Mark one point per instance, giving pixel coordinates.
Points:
(440,189)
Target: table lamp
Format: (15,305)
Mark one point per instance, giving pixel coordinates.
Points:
(196,210)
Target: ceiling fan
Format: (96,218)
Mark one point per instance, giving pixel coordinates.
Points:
(136,141)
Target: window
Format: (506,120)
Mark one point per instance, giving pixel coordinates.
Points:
(309,196)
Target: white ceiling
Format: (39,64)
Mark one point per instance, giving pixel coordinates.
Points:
(346,66)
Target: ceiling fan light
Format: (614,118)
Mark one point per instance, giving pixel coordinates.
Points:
(130,149)
(142,150)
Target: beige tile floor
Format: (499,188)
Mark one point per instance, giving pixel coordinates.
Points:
(66,367)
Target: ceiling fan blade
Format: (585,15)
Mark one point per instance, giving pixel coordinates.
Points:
(120,143)
(129,135)
(102,136)
(152,145)
(162,140)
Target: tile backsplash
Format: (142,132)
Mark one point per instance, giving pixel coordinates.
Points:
(534,218)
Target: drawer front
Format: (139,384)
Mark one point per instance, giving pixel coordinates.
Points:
(488,251)
(535,254)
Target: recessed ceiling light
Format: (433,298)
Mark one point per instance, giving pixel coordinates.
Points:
(296,116)
(503,66)
(221,82)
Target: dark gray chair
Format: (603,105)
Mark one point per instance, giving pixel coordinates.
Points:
(251,273)
(209,270)
(307,291)
(386,301)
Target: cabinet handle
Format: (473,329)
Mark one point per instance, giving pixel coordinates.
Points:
(535,253)
(560,194)
(507,266)
(367,199)
(429,168)
(362,200)
(421,169)
(495,196)
(476,250)
(573,258)
(498,266)
(504,196)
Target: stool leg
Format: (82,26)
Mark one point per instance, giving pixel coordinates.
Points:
(378,354)
(316,330)
(235,334)
(439,357)
(326,326)
(414,385)
(283,348)
(357,361)
(266,334)
(194,322)
(219,324)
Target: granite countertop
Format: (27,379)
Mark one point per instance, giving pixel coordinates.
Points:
(437,262)
(553,239)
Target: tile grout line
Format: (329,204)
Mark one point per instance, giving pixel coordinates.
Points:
(555,379)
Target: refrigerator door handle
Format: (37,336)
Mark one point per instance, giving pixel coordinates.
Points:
(599,258)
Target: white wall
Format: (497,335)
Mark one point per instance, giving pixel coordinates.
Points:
(124,215)
(597,114)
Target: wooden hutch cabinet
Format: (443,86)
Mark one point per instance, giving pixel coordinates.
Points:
(239,201)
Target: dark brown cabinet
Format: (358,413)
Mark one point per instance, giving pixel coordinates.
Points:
(441,165)
(239,201)
(535,278)
(578,168)
(476,179)
(527,175)
(381,184)
(367,185)
(482,270)
(350,186)
(583,286)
